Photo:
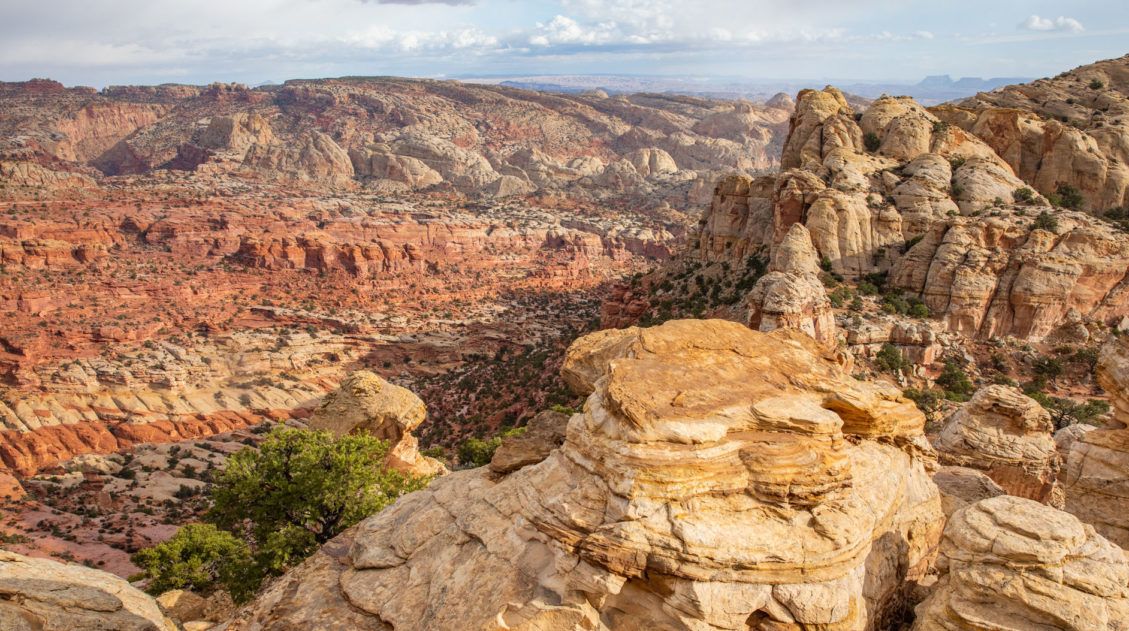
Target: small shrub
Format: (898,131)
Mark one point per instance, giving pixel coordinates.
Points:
(1097,84)
(1023,195)
(955,382)
(890,359)
(1045,221)
(871,141)
(1067,196)
(199,557)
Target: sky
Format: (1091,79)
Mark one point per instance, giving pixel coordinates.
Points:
(114,42)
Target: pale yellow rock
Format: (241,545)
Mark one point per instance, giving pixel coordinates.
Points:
(366,403)
(1012,564)
(717,478)
(1008,436)
(961,486)
(791,295)
(182,605)
(42,595)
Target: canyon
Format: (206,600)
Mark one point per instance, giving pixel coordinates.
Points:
(818,362)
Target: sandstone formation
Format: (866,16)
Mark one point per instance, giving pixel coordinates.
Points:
(995,275)
(1068,130)
(544,433)
(709,483)
(391,135)
(961,486)
(1011,563)
(791,295)
(39,594)
(366,403)
(1007,435)
(1095,477)
(899,193)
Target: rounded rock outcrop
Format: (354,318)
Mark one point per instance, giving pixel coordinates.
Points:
(364,402)
(1008,436)
(1013,564)
(717,478)
(1096,476)
(43,595)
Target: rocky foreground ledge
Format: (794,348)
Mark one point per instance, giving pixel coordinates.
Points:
(718,478)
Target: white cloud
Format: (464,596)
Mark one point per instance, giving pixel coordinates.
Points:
(1061,23)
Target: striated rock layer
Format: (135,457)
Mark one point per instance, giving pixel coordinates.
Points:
(1096,476)
(1009,436)
(1011,564)
(791,295)
(718,478)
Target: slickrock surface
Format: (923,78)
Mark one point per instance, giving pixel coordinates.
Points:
(36,594)
(365,402)
(1008,436)
(1096,476)
(718,478)
(1011,564)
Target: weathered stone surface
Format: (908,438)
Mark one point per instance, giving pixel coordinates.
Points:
(182,605)
(366,403)
(1096,476)
(1012,564)
(961,486)
(1070,129)
(544,433)
(42,595)
(1008,436)
(708,484)
(990,276)
(791,295)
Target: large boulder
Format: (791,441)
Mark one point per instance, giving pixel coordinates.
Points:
(1007,435)
(364,402)
(717,478)
(1011,564)
(43,595)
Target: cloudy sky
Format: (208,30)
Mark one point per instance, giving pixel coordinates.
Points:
(101,42)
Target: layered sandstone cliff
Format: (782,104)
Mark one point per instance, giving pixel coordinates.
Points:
(897,192)
(718,478)
(790,295)
(1071,130)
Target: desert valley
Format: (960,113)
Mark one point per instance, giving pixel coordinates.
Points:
(626,360)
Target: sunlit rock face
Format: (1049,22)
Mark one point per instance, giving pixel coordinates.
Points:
(717,478)
(41,594)
(367,403)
